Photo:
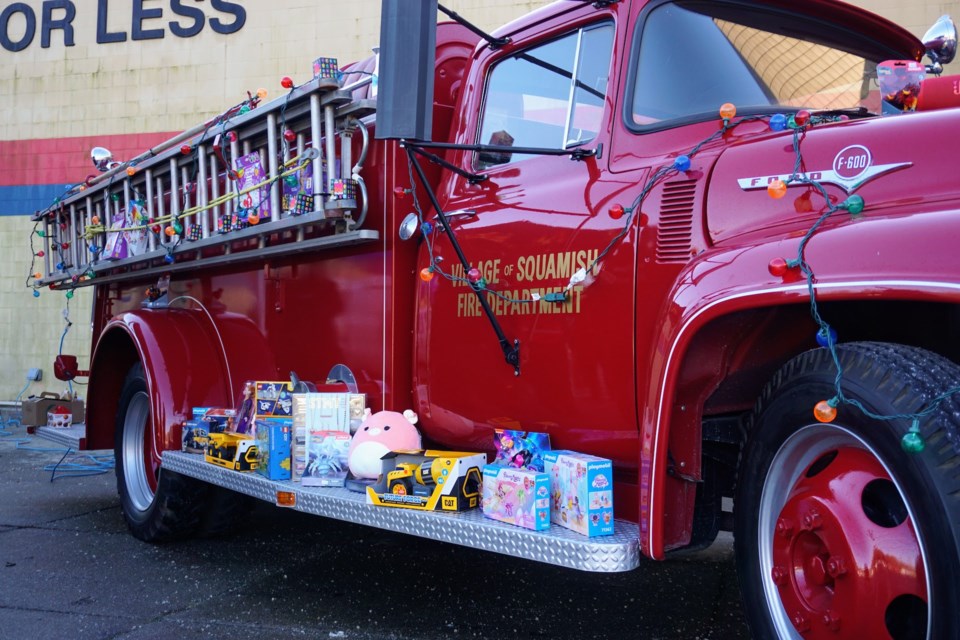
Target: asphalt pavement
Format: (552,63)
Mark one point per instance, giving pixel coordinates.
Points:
(70,570)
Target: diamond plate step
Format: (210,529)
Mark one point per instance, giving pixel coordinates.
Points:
(559,546)
(74,436)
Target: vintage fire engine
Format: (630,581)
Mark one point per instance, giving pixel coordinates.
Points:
(700,239)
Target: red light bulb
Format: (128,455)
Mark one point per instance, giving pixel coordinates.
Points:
(777,267)
(777,189)
(286,82)
(802,118)
(473,275)
(289,135)
(186,149)
(616,211)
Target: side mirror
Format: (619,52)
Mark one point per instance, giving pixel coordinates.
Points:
(102,159)
(940,41)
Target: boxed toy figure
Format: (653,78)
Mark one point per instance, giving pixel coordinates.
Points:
(249,173)
(582,492)
(516,496)
(520,449)
(273,447)
(429,480)
(326,458)
(273,399)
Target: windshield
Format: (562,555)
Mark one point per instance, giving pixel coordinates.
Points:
(695,56)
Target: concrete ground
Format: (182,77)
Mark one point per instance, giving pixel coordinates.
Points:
(69,569)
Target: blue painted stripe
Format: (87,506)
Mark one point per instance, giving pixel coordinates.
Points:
(28,199)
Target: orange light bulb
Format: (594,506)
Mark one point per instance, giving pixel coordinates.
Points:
(823,412)
(261,93)
(426,274)
(777,189)
(727,110)
(170,231)
(95,220)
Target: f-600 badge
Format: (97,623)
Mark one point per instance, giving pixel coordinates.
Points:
(852,168)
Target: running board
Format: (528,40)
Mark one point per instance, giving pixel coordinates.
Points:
(74,436)
(557,545)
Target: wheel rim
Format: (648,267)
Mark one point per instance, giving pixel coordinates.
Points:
(839,553)
(139,472)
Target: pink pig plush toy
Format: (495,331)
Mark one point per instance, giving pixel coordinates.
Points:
(379,433)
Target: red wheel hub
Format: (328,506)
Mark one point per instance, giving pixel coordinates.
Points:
(846,560)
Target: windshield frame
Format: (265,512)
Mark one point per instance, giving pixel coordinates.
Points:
(840,36)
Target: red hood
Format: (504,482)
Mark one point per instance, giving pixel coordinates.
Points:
(897,164)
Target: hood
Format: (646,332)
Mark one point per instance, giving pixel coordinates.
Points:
(899,165)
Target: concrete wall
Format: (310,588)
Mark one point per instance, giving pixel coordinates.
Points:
(59,100)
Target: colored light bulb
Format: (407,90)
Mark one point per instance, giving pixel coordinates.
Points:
(826,337)
(426,274)
(95,220)
(912,441)
(244,109)
(778,122)
(727,110)
(75,278)
(824,411)
(60,266)
(473,275)
(131,171)
(616,211)
(40,253)
(682,163)
(65,245)
(777,189)
(37,275)
(792,123)
(177,227)
(290,135)
(231,136)
(854,204)
(253,218)
(261,93)
(777,267)
(36,294)
(286,82)
(41,233)
(69,294)
(291,180)
(168,258)
(427,228)
(802,118)
(170,231)
(186,149)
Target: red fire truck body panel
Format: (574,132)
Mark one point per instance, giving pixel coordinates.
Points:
(666,305)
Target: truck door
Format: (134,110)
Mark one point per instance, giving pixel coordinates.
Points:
(528,229)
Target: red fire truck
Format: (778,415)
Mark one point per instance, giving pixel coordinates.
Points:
(700,239)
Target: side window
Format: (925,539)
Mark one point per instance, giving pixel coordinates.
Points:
(550,96)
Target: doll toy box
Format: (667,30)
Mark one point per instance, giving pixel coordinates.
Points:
(429,480)
(516,496)
(581,488)
(273,447)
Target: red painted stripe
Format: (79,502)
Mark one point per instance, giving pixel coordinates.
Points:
(65,160)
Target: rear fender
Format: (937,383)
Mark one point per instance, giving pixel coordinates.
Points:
(189,359)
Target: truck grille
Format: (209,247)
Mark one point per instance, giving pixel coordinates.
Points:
(675,231)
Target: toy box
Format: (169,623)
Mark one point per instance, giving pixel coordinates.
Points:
(325,68)
(273,399)
(232,451)
(59,417)
(325,458)
(249,174)
(429,480)
(195,433)
(516,496)
(581,488)
(35,408)
(273,447)
(520,449)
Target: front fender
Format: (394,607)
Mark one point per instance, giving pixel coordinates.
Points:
(890,258)
(189,358)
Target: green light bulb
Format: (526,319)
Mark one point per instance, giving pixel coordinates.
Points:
(912,442)
(854,204)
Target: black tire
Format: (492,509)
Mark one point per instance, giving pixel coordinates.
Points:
(173,508)
(401,486)
(809,492)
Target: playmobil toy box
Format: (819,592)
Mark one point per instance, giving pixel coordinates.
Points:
(326,458)
(429,480)
(273,447)
(581,489)
(516,496)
